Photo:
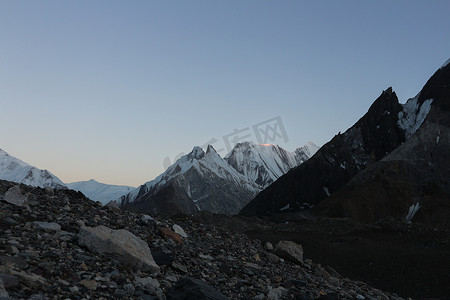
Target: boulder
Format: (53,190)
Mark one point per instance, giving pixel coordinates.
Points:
(14,196)
(191,288)
(289,251)
(177,229)
(3,292)
(120,245)
(166,233)
(47,226)
(277,293)
(268,246)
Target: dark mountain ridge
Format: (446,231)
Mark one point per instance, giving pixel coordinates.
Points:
(415,175)
(393,163)
(337,161)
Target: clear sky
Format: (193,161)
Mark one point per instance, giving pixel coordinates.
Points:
(110,89)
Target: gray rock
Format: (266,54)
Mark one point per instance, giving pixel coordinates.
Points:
(333,280)
(268,246)
(14,196)
(146,219)
(277,293)
(31,279)
(50,191)
(3,292)
(252,265)
(177,229)
(191,288)
(147,282)
(9,280)
(48,227)
(272,258)
(129,288)
(120,292)
(290,251)
(180,267)
(120,245)
(38,297)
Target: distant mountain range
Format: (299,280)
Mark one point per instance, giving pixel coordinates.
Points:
(198,181)
(205,181)
(393,163)
(98,191)
(16,170)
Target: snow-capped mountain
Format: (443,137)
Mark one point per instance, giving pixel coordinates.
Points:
(264,164)
(304,153)
(98,191)
(197,181)
(13,169)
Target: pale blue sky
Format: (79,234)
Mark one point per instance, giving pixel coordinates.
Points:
(109,89)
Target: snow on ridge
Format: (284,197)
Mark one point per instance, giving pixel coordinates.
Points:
(98,191)
(251,159)
(310,149)
(265,163)
(412,116)
(203,163)
(16,170)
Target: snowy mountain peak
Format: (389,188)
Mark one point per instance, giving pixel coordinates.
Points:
(204,165)
(309,149)
(196,153)
(265,163)
(16,170)
(211,149)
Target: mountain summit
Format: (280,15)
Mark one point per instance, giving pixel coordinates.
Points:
(411,182)
(197,181)
(264,164)
(393,162)
(13,169)
(205,181)
(366,142)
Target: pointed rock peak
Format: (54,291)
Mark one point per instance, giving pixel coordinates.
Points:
(210,149)
(196,153)
(246,144)
(386,102)
(438,88)
(388,90)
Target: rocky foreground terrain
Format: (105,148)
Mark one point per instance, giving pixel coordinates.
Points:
(57,244)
